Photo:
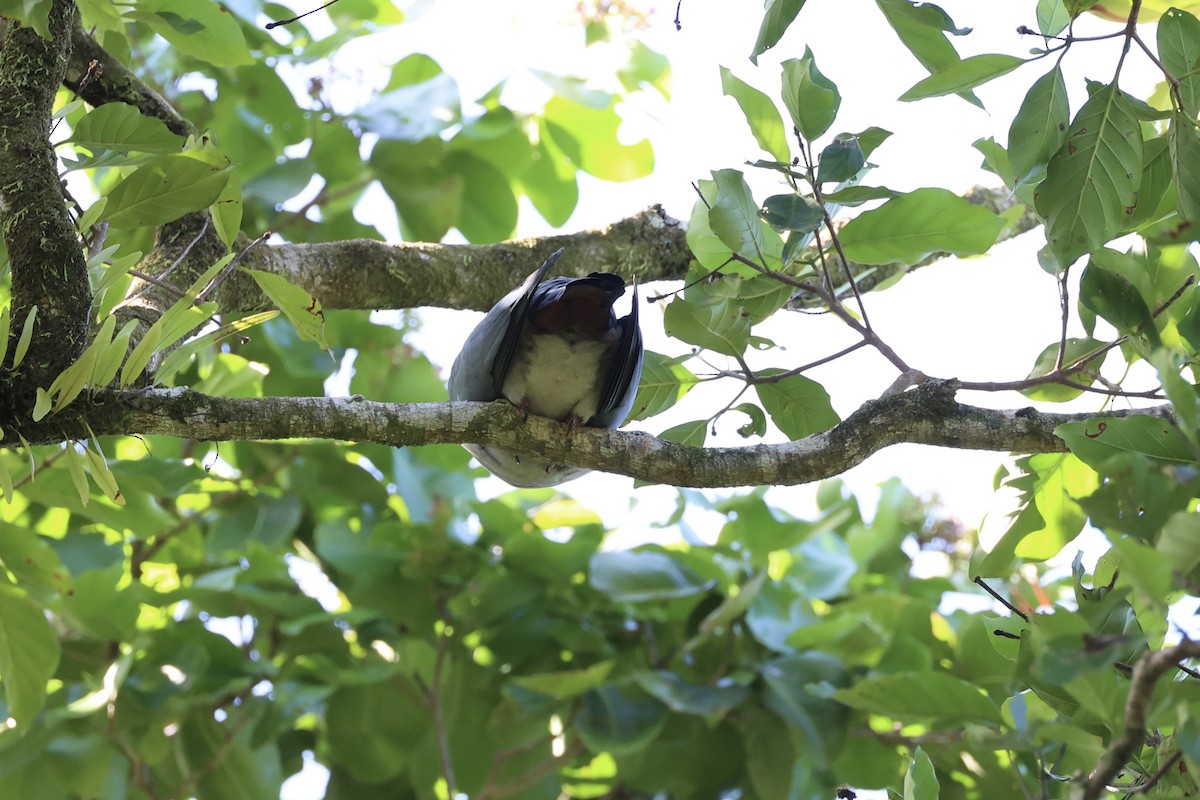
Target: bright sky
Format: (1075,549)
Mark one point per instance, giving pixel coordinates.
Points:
(983,319)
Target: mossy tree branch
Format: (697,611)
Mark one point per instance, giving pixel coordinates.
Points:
(48,267)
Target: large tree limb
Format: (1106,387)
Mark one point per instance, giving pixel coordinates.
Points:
(927,414)
(48,268)
(365,274)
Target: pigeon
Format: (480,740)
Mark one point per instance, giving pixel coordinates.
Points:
(553,348)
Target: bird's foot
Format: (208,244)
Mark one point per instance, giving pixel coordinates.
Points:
(574,423)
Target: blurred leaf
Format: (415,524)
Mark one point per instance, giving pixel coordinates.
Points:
(800,689)
(619,720)
(588,136)
(933,696)
(29,653)
(920,781)
(636,576)
(203,30)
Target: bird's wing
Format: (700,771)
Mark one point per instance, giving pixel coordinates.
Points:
(514,321)
(479,370)
(624,372)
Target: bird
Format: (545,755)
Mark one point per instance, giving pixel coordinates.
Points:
(553,348)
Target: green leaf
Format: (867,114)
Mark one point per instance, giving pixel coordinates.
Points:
(1179,49)
(799,689)
(204,30)
(119,126)
(550,183)
(619,720)
(761,114)
(810,97)
(1179,541)
(301,308)
(1102,439)
(178,358)
(164,189)
(798,406)
(857,195)
(734,216)
(1047,361)
(1111,296)
(792,212)
(489,208)
(690,698)
(1091,183)
(25,338)
(841,160)
(913,226)
(588,136)
(1185,163)
(414,112)
(963,76)
(29,652)
(779,15)
(1052,17)
(637,576)
(770,753)
(870,138)
(567,683)
(664,383)
(721,327)
(1040,126)
(691,434)
(374,728)
(920,781)
(912,696)
(227,210)
(1157,168)
(1049,516)
(923,28)
(708,249)
(757,426)
(1181,392)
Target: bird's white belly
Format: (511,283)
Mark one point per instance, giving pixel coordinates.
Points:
(557,378)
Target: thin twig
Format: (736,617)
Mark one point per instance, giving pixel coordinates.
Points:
(439,717)
(1001,600)
(230,267)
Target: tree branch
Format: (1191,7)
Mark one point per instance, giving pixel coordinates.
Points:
(366,274)
(116,84)
(48,267)
(1146,673)
(927,414)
